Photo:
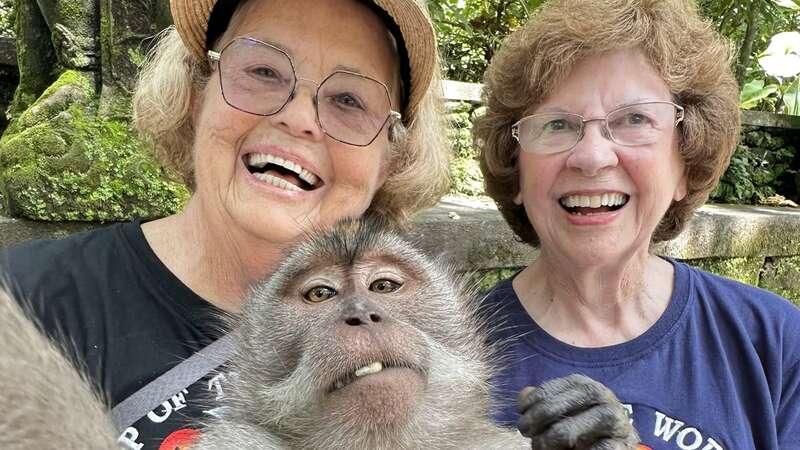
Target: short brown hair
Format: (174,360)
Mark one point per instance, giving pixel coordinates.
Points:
(691,58)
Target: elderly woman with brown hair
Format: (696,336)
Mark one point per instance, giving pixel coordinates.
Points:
(608,123)
(281,122)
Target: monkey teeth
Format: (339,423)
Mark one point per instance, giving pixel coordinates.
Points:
(370,369)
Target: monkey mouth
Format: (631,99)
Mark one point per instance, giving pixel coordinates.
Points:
(365,371)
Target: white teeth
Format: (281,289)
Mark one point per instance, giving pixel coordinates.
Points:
(308,177)
(257,160)
(370,369)
(260,160)
(275,181)
(594,201)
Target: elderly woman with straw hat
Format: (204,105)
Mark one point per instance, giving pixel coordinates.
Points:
(608,124)
(282,116)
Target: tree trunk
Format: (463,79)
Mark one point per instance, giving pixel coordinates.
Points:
(753,16)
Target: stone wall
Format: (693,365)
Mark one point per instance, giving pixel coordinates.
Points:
(756,245)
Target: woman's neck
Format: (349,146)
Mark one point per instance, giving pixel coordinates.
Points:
(596,306)
(217,262)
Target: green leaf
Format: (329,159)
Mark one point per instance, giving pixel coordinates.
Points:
(791,98)
(755,91)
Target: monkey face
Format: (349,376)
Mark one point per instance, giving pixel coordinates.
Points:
(361,341)
(353,321)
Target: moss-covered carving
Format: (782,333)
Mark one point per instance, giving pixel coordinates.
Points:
(60,160)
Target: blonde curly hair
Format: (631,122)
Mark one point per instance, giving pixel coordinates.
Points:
(172,78)
(692,59)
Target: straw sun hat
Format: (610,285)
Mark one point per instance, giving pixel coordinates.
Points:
(406,19)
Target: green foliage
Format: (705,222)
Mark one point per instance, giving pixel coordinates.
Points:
(730,17)
(791,98)
(460,137)
(7,18)
(471,30)
(754,93)
(761,166)
(465,173)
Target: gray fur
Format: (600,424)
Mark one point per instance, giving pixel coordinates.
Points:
(45,402)
(288,351)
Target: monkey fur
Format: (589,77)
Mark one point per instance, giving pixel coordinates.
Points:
(360,341)
(305,374)
(46,403)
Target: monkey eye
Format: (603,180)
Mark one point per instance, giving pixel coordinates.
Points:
(384,286)
(319,294)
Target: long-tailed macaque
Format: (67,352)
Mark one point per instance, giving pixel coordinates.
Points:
(357,341)
(360,341)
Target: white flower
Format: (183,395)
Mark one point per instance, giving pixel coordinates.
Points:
(787,4)
(782,57)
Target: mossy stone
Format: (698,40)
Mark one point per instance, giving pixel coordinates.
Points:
(487,279)
(60,160)
(746,269)
(781,275)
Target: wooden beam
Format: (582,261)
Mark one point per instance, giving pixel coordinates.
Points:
(460,91)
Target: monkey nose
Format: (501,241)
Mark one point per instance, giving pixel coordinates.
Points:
(361,313)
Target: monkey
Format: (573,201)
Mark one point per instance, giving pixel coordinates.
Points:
(46,402)
(358,340)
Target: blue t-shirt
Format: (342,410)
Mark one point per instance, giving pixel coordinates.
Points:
(719,370)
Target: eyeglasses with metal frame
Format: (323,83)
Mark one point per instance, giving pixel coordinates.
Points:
(630,125)
(260,78)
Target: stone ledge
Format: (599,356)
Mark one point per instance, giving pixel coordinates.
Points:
(474,235)
(13,231)
(478,237)
(768,119)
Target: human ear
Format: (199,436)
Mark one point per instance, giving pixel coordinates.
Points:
(518,198)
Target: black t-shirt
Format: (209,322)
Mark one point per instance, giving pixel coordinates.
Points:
(127,318)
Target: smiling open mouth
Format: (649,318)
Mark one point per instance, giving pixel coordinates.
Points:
(281,173)
(586,205)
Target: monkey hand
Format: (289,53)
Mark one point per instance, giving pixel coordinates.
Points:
(574,412)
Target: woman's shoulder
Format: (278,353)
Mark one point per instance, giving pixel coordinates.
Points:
(40,259)
(61,268)
(500,291)
(770,322)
